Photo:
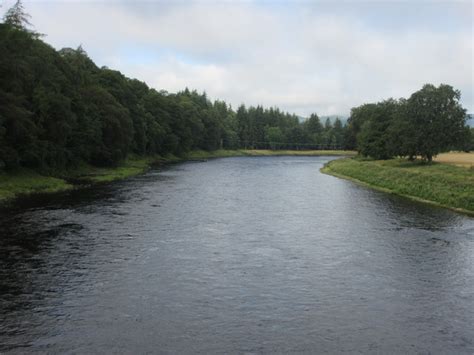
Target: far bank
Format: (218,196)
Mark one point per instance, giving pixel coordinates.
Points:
(26,181)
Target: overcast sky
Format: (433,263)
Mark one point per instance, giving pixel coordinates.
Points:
(302,56)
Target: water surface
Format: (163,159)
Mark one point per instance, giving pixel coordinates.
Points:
(237,255)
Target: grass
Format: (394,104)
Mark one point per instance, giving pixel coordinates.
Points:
(438,183)
(26,182)
(91,174)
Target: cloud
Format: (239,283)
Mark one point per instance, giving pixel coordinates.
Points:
(302,57)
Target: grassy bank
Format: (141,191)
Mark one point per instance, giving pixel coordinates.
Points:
(439,184)
(26,182)
(129,167)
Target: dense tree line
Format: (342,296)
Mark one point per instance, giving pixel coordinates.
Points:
(57,109)
(429,122)
(260,128)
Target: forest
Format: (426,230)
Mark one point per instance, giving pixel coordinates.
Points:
(58,109)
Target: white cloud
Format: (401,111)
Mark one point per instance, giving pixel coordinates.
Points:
(291,56)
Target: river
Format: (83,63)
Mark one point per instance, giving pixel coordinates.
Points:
(238,255)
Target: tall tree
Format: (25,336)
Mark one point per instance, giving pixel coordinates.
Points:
(17,17)
(435,120)
(314,129)
(373,139)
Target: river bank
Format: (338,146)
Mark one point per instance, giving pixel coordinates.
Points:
(439,184)
(26,182)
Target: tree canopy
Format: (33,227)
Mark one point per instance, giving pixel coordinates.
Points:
(58,109)
(17,17)
(429,122)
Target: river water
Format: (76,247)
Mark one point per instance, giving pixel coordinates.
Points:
(238,255)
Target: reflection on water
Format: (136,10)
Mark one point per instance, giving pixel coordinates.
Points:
(235,255)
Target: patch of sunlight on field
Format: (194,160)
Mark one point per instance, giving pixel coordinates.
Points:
(456,158)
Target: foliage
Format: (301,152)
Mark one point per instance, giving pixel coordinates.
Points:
(469,142)
(17,17)
(374,136)
(431,121)
(59,110)
(435,119)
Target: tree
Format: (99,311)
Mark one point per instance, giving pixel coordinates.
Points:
(17,17)
(434,120)
(354,124)
(374,137)
(274,136)
(58,109)
(338,133)
(470,144)
(314,129)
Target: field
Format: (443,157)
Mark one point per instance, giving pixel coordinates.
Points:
(457,158)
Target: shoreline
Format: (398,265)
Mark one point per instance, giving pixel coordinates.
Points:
(24,182)
(393,189)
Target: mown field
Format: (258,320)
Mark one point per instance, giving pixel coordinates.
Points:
(457,158)
(441,184)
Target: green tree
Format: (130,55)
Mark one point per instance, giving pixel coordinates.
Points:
(374,137)
(338,133)
(354,124)
(314,129)
(470,141)
(434,120)
(274,136)
(17,17)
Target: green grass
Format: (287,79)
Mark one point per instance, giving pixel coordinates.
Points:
(439,184)
(91,174)
(26,182)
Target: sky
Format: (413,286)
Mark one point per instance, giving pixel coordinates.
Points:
(301,56)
